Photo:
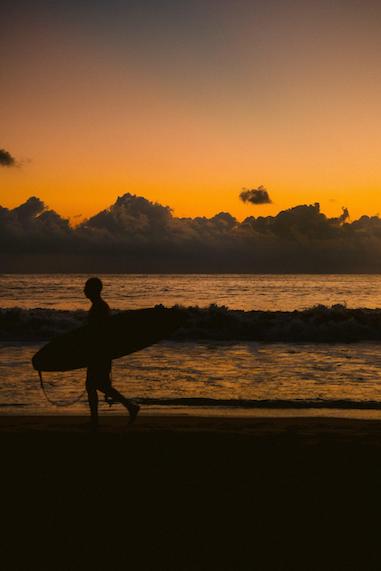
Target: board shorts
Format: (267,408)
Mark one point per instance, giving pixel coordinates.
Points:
(98,375)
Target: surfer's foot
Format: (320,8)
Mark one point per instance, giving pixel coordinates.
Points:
(110,401)
(133,409)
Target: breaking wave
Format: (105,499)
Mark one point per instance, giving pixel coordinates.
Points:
(337,323)
(18,324)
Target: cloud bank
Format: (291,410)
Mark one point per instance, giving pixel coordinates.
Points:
(6,159)
(136,235)
(255,195)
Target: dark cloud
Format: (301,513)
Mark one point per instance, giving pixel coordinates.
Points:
(344,216)
(33,228)
(6,159)
(137,235)
(255,195)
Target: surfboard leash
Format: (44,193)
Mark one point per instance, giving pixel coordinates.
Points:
(59,403)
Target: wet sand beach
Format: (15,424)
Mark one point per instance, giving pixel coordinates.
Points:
(191,493)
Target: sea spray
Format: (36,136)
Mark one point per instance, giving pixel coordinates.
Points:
(337,323)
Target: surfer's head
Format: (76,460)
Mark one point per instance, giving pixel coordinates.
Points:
(93,288)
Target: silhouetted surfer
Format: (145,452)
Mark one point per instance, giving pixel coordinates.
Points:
(98,376)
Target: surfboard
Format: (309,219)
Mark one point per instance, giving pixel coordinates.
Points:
(125,332)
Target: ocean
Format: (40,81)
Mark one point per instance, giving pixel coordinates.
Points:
(253,346)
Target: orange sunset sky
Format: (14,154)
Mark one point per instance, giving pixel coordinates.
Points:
(186,102)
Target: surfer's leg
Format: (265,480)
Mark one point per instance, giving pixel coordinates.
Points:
(116,396)
(92,397)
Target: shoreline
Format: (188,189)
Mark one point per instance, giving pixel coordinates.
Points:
(192,412)
(255,426)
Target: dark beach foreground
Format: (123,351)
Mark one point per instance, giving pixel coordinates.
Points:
(191,493)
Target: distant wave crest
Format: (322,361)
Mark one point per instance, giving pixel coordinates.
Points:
(317,324)
(18,324)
